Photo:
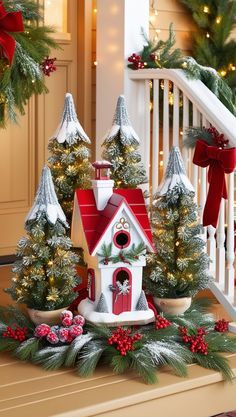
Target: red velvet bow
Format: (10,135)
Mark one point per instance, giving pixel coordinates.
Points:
(9,22)
(221,162)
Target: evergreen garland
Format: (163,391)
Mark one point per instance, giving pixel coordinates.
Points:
(212,45)
(161,54)
(126,256)
(22,79)
(144,350)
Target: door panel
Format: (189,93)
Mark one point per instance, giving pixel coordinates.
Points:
(122,302)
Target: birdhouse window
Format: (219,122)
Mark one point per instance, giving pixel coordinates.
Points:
(121,239)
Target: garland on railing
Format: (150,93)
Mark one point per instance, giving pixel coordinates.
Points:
(173,341)
(126,256)
(161,54)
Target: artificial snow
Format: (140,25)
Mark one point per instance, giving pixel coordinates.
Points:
(86,308)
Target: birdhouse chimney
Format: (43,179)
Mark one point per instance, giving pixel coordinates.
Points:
(102,184)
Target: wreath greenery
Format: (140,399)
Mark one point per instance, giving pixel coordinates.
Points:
(172,341)
(24,77)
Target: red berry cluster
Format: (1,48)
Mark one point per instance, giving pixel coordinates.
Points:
(161,322)
(48,66)
(196,341)
(16,332)
(71,328)
(136,61)
(221,326)
(217,137)
(123,340)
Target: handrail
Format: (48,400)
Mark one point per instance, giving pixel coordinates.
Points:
(200,95)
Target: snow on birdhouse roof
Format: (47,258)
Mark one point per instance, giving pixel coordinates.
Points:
(46,201)
(102,164)
(95,222)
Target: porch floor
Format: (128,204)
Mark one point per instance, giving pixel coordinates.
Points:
(27,390)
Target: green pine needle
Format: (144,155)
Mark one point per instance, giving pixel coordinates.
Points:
(28,349)
(75,347)
(89,357)
(143,365)
(51,358)
(217,362)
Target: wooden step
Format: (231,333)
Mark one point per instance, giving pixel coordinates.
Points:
(27,390)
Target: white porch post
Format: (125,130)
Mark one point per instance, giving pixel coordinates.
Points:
(119,25)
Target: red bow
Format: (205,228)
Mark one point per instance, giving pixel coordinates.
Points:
(9,22)
(220,161)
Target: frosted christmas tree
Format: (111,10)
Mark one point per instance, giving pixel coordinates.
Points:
(69,160)
(121,149)
(44,274)
(179,268)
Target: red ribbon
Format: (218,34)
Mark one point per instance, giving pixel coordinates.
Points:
(221,162)
(9,22)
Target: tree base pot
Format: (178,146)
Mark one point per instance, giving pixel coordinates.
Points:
(173,305)
(47,317)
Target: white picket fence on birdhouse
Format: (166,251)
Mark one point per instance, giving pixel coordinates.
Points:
(169,103)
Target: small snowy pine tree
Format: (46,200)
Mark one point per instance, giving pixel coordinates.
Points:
(179,268)
(69,160)
(44,273)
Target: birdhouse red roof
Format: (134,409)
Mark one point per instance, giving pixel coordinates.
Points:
(95,222)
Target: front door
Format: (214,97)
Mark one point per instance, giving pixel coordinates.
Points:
(122,284)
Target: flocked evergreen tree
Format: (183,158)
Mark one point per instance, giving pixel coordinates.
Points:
(121,149)
(212,43)
(44,273)
(69,160)
(180,266)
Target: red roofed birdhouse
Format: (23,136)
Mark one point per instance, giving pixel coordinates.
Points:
(112,227)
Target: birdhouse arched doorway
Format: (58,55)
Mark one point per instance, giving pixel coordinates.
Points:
(122,284)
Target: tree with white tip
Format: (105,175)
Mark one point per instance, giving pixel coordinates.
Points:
(69,160)
(121,145)
(179,268)
(44,273)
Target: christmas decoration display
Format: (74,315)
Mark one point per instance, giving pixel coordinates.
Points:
(71,328)
(212,43)
(121,149)
(69,160)
(112,227)
(48,66)
(179,268)
(178,341)
(161,54)
(24,44)
(212,149)
(44,273)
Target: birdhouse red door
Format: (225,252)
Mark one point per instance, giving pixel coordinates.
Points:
(122,293)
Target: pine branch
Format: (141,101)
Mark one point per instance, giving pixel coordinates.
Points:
(89,357)
(142,364)
(51,358)
(215,361)
(75,348)
(27,350)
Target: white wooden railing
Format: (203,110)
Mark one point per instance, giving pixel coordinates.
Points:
(187,103)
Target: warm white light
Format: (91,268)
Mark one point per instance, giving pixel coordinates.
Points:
(95,63)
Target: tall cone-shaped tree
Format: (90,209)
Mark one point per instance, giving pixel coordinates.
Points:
(179,268)
(44,273)
(69,160)
(121,149)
